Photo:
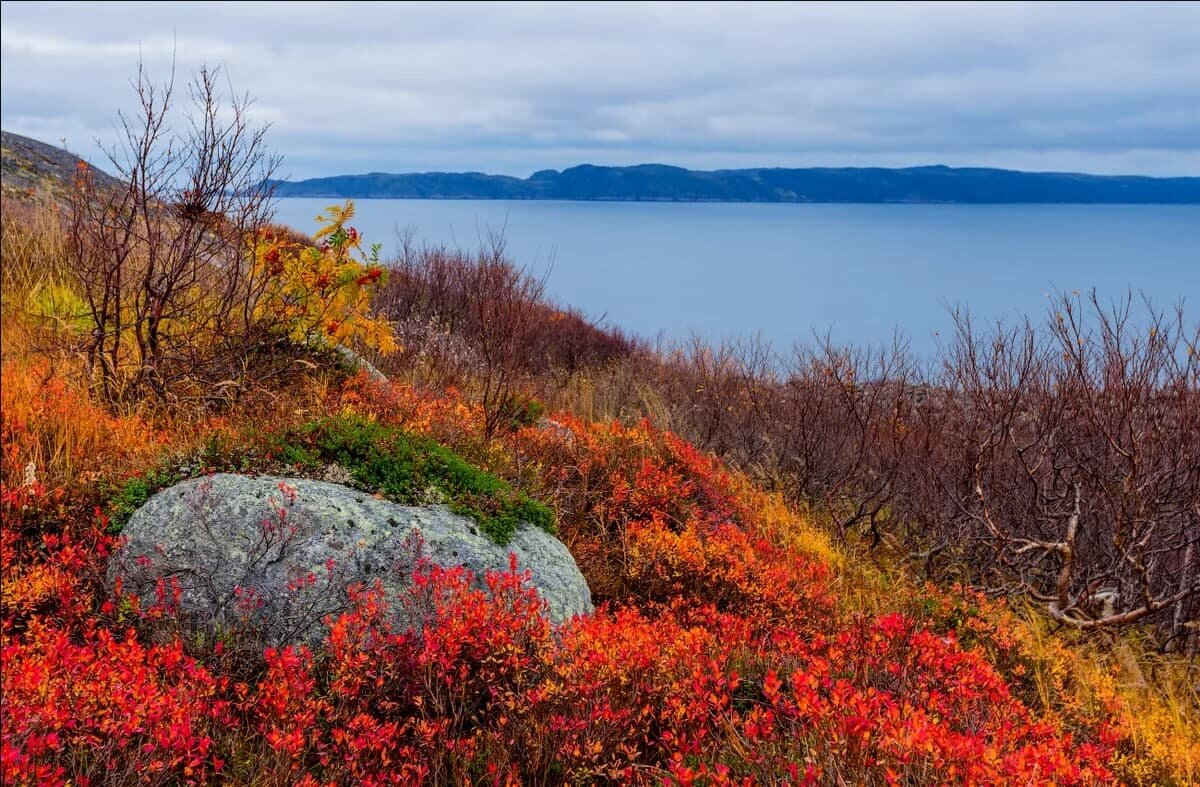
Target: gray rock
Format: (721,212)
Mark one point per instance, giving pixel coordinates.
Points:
(359,363)
(256,553)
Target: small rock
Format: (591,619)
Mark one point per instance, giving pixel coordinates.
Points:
(336,474)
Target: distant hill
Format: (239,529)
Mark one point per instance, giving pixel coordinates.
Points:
(28,165)
(32,165)
(661,183)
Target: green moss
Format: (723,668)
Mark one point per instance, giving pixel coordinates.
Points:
(411,469)
(405,468)
(123,500)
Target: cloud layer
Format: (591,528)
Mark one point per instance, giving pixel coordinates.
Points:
(515,88)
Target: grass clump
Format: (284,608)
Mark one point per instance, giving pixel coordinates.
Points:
(411,469)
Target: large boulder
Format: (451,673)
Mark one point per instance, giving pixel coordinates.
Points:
(278,554)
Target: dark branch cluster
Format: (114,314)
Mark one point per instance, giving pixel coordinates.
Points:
(162,255)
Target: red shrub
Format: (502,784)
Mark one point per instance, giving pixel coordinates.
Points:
(720,655)
(107,709)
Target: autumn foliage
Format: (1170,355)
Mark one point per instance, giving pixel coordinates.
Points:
(727,649)
(321,295)
(733,642)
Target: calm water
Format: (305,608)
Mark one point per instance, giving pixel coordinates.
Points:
(787,270)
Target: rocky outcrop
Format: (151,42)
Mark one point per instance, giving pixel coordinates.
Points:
(278,554)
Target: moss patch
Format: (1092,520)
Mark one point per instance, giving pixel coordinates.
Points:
(403,467)
(123,500)
(410,469)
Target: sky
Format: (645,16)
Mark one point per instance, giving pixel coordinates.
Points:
(514,88)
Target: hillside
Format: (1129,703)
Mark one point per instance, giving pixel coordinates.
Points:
(766,611)
(660,183)
(28,165)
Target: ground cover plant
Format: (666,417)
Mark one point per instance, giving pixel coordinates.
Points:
(733,642)
(746,631)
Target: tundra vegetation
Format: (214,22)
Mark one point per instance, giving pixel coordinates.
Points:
(842,567)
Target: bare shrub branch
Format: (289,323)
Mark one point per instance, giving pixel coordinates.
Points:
(162,259)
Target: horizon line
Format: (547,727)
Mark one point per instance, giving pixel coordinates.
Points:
(289,179)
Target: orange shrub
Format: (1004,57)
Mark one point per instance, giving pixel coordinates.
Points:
(53,432)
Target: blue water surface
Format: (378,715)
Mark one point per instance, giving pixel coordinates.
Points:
(787,270)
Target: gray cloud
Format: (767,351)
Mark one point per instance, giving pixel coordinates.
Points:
(517,87)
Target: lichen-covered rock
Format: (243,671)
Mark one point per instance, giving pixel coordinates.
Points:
(278,554)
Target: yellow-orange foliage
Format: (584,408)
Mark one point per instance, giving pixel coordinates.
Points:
(56,433)
(322,294)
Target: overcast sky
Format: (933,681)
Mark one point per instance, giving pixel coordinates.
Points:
(1105,88)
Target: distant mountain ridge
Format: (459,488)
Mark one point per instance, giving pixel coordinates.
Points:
(663,183)
(29,165)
